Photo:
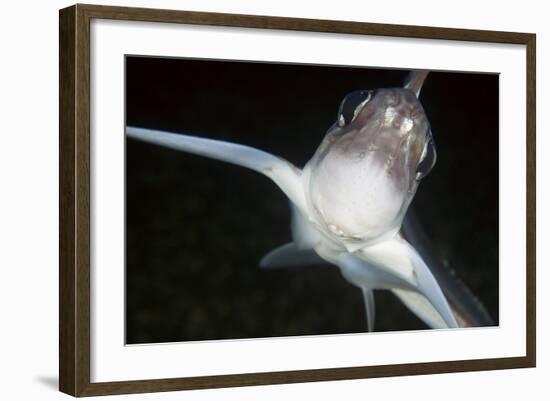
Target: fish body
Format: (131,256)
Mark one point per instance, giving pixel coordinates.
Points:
(349,201)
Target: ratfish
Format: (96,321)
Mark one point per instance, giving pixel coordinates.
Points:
(349,202)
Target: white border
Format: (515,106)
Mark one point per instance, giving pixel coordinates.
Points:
(112,361)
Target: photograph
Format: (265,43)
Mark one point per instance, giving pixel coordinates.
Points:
(269,199)
(251,200)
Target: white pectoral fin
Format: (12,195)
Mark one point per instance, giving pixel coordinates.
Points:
(428,286)
(397,256)
(365,274)
(300,252)
(283,173)
(290,255)
(421,307)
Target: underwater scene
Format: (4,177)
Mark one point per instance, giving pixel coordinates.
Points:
(326,200)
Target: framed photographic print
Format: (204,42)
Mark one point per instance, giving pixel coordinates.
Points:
(252,200)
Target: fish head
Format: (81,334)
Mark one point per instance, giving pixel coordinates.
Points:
(365,173)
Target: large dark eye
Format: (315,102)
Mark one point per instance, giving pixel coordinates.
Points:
(428,158)
(352,105)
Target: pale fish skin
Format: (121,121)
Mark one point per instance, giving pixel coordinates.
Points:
(349,201)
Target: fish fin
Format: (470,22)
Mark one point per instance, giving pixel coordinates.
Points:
(290,255)
(429,287)
(397,257)
(467,308)
(369,277)
(304,234)
(415,81)
(364,274)
(368,298)
(283,173)
(421,307)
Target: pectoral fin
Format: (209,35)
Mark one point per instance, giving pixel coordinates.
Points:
(290,255)
(284,174)
(398,257)
(421,307)
(364,274)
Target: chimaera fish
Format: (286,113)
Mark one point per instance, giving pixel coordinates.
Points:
(349,201)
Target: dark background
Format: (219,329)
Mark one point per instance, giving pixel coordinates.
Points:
(196,228)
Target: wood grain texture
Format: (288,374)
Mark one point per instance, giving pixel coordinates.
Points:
(74,199)
(301,24)
(301,376)
(74,297)
(67,93)
(531,200)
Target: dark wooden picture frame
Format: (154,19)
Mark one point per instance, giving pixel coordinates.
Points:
(74,296)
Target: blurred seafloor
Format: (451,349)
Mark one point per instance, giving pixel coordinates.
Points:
(196,228)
